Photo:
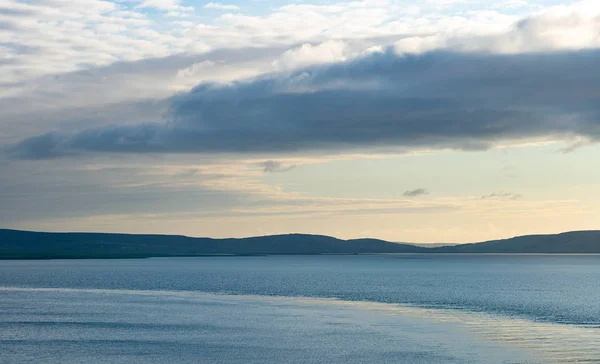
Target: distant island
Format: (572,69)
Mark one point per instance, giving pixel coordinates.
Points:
(15,244)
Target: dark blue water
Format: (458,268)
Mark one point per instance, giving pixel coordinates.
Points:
(542,307)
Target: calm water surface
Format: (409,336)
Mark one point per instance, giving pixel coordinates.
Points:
(303,309)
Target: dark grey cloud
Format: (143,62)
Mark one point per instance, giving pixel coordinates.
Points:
(124,92)
(463,101)
(275,166)
(415,192)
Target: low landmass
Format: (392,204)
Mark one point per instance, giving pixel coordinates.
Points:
(15,244)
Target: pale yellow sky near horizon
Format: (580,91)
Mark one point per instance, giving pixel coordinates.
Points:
(469,196)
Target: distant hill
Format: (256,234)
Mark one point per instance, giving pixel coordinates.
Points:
(584,242)
(16,244)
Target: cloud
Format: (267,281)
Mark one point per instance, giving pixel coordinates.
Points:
(501,195)
(480,37)
(167,5)
(82,34)
(275,166)
(31,191)
(126,92)
(559,28)
(219,6)
(415,193)
(442,100)
(576,144)
(309,54)
(195,69)
(95,82)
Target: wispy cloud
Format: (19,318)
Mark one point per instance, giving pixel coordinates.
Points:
(220,6)
(275,166)
(501,195)
(415,192)
(167,5)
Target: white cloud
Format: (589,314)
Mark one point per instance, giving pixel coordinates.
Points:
(309,54)
(177,14)
(167,5)
(574,27)
(219,6)
(53,37)
(511,4)
(196,69)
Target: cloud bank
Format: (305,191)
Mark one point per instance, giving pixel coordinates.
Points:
(439,99)
(415,80)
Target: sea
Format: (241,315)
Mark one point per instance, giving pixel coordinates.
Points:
(303,309)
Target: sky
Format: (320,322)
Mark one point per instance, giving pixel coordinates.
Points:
(434,121)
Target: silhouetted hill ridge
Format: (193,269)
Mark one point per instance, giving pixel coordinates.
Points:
(15,244)
(586,241)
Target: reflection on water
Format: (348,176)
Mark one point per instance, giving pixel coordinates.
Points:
(553,342)
(188,326)
(420,309)
(559,289)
